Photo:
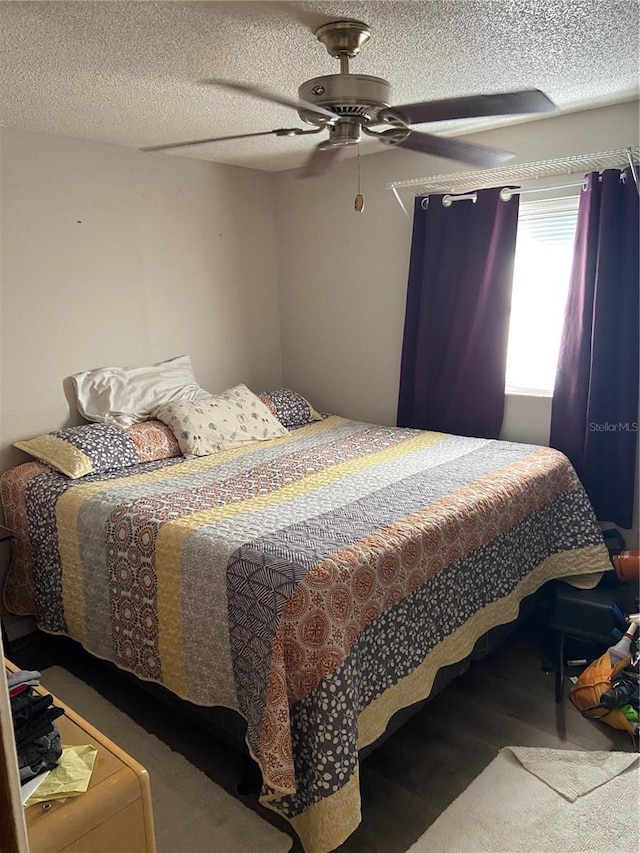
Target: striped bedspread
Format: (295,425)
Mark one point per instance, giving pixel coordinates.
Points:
(315,583)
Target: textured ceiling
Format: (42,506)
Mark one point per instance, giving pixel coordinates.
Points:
(128,72)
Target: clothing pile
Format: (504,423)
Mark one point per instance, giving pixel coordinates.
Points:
(37,736)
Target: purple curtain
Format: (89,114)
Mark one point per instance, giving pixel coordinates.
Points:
(457,315)
(595,401)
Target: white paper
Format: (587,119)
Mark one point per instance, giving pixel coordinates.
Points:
(32,785)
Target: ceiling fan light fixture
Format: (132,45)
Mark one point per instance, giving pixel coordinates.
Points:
(343,132)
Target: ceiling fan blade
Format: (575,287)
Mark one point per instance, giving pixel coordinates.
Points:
(474,106)
(323,161)
(451,148)
(268,95)
(280,131)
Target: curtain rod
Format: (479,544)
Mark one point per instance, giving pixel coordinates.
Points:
(506,193)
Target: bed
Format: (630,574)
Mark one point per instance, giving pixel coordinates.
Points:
(314,583)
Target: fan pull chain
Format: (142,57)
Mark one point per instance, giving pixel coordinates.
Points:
(359,200)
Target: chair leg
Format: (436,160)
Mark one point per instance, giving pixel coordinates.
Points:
(560,662)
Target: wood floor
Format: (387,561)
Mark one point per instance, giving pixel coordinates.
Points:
(505,700)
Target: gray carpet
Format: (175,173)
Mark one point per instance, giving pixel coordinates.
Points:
(543,801)
(191,813)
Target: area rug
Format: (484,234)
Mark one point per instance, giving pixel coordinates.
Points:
(191,813)
(543,801)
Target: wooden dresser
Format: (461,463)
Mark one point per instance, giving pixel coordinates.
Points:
(115,813)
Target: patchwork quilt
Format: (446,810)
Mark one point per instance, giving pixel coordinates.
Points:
(315,582)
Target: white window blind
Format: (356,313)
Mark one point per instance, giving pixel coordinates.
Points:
(544,254)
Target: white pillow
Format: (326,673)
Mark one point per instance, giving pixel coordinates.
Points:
(228,420)
(129,395)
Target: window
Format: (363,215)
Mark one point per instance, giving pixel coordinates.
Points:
(544,254)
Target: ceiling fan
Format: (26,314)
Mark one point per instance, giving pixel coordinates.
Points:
(348,105)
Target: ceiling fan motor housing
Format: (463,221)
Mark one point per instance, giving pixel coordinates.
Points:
(350,95)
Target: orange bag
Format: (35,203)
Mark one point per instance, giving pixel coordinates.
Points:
(627,566)
(595,680)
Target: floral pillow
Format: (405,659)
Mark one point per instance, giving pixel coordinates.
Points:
(94,448)
(289,407)
(218,423)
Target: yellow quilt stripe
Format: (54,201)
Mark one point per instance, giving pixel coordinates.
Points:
(329,822)
(72,572)
(172,535)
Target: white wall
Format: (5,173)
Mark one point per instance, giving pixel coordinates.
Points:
(343,275)
(113,257)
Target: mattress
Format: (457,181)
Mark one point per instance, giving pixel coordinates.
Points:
(314,583)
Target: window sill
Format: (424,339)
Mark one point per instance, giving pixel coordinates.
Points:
(512,391)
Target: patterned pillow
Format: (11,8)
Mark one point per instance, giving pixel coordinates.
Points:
(229,420)
(289,407)
(81,450)
(153,440)
(94,448)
